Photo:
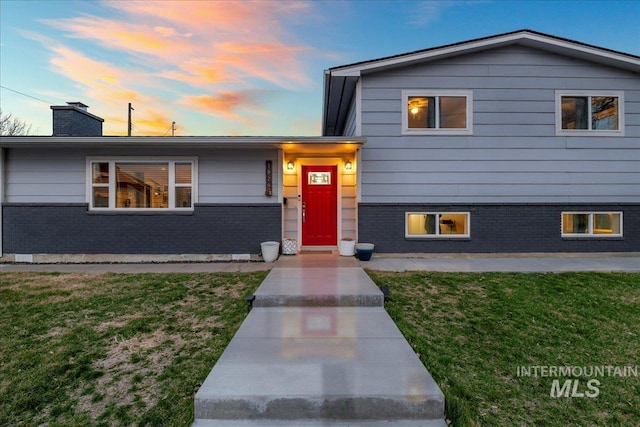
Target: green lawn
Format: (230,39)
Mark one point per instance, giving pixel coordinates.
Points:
(78,349)
(473,331)
(105,350)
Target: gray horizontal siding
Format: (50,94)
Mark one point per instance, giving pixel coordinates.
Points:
(233,176)
(514,153)
(45,175)
(507,166)
(488,154)
(37,175)
(512,177)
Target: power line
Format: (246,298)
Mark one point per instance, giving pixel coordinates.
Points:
(172,128)
(24,94)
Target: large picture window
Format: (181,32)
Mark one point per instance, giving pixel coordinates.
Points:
(435,112)
(591,224)
(580,113)
(131,184)
(437,224)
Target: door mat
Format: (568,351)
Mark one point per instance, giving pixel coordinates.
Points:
(315,252)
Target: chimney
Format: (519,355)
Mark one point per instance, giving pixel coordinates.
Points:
(73,119)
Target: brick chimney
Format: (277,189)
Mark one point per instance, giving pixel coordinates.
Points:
(73,119)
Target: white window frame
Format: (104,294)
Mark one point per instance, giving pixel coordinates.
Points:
(406,130)
(171,161)
(590,234)
(437,229)
(589,131)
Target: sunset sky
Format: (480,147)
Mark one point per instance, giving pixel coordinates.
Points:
(247,67)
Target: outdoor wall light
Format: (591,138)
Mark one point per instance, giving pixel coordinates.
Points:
(290,166)
(348,165)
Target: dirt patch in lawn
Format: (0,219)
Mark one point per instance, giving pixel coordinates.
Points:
(130,371)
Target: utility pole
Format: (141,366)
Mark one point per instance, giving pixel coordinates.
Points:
(173,128)
(129,122)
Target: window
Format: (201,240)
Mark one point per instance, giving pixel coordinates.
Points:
(132,184)
(597,113)
(592,224)
(437,225)
(436,113)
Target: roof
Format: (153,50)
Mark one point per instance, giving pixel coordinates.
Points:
(340,82)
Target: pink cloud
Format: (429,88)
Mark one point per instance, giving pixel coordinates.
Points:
(122,36)
(109,87)
(227,48)
(225,104)
(189,32)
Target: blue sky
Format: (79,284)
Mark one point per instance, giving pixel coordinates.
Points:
(245,68)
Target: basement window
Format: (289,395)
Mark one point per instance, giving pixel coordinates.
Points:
(141,185)
(591,224)
(437,224)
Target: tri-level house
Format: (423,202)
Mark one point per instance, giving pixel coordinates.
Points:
(519,142)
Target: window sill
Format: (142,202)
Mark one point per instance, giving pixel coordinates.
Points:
(589,133)
(164,212)
(592,237)
(464,238)
(441,132)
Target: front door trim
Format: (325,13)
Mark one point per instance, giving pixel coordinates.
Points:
(321,161)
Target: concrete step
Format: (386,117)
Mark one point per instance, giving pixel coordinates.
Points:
(319,423)
(322,365)
(318,287)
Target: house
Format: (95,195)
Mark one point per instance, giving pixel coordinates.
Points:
(520,142)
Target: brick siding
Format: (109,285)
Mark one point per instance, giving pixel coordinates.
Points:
(72,229)
(495,229)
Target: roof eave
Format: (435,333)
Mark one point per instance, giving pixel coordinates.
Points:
(231,142)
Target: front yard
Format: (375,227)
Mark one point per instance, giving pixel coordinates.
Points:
(79,349)
(106,350)
(476,332)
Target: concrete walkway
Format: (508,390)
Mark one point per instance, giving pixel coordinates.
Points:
(318,349)
(629,262)
(138,268)
(520,263)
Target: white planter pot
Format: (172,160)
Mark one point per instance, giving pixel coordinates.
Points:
(347,247)
(270,251)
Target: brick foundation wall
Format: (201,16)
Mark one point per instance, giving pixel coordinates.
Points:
(72,229)
(495,229)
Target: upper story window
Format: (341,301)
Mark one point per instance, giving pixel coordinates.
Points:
(140,184)
(589,113)
(437,112)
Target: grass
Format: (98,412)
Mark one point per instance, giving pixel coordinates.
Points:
(104,350)
(473,331)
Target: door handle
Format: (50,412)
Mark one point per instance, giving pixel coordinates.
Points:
(304,211)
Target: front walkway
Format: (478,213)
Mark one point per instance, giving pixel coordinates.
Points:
(525,263)
(318,349)
(629,262)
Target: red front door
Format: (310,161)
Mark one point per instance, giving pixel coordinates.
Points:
(319,205)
